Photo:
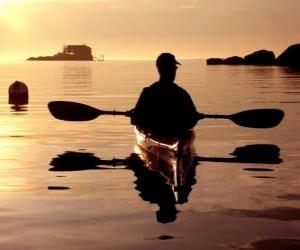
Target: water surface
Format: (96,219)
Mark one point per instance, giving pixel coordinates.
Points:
(230,205)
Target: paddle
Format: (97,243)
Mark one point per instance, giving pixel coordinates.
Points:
(255,118)
(74,111)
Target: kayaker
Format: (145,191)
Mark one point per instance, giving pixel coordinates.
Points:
(164,107)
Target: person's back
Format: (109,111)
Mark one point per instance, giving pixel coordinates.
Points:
(165,107)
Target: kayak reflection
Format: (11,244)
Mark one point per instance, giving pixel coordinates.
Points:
(164,167)
(171,156)
(169,170)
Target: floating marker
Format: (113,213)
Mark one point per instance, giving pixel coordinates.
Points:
(18,94)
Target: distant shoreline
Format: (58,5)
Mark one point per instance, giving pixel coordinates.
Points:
(288,58)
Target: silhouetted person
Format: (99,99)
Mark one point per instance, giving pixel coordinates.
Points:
(164,107)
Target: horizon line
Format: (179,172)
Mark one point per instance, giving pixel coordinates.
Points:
(20,60)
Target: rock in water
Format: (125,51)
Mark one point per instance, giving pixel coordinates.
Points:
(290,57)
(260,57)
(214,61)
(234,60)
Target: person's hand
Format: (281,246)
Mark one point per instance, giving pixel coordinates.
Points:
(200,116)
(129,113)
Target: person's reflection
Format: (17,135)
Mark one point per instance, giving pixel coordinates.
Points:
(161,187)
(156,188)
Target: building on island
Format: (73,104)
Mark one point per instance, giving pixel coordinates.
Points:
(70,53)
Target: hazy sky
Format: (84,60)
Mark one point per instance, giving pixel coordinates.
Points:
(141,29)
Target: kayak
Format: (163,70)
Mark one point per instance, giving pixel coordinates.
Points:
(172,156)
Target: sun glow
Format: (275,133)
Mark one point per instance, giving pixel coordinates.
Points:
(10,1)
(10,15)
(13,26)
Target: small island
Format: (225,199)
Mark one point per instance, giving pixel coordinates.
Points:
(288,58)
(69,53)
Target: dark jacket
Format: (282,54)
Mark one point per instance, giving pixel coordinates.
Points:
(165,107)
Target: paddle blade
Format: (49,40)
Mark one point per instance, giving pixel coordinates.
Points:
(73,111)
(258,118)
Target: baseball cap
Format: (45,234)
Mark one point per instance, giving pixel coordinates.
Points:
(165,60)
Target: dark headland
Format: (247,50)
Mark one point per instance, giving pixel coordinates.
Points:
(288,58)
(69,53)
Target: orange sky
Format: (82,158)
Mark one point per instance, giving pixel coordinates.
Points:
(141,29)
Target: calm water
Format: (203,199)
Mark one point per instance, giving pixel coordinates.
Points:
(231,205)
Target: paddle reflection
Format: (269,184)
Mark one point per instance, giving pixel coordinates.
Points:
(79,161)
(157,184)
(255,153)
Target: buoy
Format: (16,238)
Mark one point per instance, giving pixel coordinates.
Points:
(18,93)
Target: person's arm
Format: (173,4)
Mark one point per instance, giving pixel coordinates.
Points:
(192,115)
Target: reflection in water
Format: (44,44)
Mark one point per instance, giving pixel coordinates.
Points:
(262,73)
(18,108)
(161,179)
(79,161)
(290,197)
(276,213)
(264,177)
(166,237)
(81,73)
(289,72)
(290,80)
(170,163)
(258,169)
(29,140)
(256,153)
(153,186)
(77,79)
(275,244)
(57,188)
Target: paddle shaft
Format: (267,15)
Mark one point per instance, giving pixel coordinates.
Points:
(114,112)
(128,113)
(216,116)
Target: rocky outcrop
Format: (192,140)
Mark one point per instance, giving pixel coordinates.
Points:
(260,57)
(234,60)
(214,61)
(290,57)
